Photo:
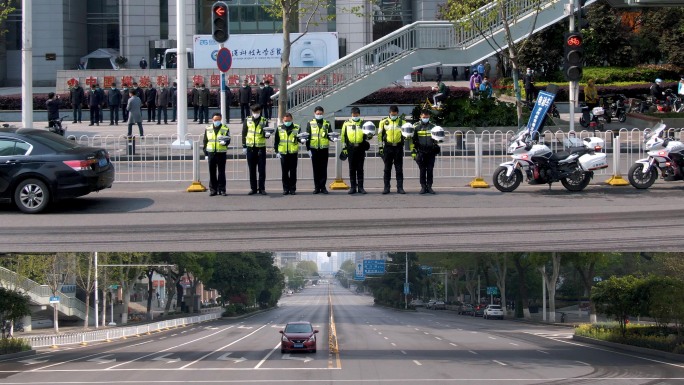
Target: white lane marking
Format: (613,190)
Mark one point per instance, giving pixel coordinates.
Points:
(472,352)
(437,338)
(290,357)
(225,357)
(403,352)
(541,351)
(245,327)
(499,362)
(582,363)
(223,347)
(417,363)
(426,333)
(385,338)
(380,333)
(453,344)
(417,329)
(491,338)
(514,344)
(184,331)
(173,335)
(268,355)
(393,344)
(167,349)
(164,357)
(102,359)
(91,355)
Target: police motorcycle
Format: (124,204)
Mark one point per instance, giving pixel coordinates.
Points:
(574,167)
(665,155)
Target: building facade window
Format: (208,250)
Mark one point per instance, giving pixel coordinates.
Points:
(103,24)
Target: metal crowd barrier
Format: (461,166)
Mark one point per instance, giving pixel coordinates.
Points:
(109,334)
(154,159)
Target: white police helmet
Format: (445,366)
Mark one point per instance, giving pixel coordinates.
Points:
(369,129)
(268,131)
(437,133)
(407,130)
(224,140)
(334,136)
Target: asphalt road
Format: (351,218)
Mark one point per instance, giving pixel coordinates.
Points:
(376,346)
(163,217)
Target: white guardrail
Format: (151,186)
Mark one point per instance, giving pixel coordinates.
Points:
(156,160)
(109,334)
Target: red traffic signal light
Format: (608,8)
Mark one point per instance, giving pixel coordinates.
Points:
(220,25)
(573,56)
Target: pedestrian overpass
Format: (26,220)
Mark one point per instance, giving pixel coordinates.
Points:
(420,44)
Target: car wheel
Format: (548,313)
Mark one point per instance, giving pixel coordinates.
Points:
(31,196)
(282,351)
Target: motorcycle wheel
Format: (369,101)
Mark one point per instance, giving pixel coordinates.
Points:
(622,117)
(607,118)
(583,122)
(504,184)
(577,182)
(640,180)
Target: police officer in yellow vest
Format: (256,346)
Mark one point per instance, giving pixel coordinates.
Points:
(423,150)
(216,141)
(286,145)
(391,148)
(254,146)
(317,145)
(355,146)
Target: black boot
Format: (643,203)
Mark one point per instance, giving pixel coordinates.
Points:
(422,189)
(361,190)
(352,191)
(386,190)
(430,190)
(400,187)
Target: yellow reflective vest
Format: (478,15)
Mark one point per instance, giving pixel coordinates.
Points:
(213,144)
(390,131)
(352,132)
(318,136)
(255,133)
(288,143)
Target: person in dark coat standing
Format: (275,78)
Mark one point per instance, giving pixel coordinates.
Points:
(52,105)
(203,102)
(162,103)
(76,97)
(139,92)
(94,103)
(195,101)
(143,63)
(124,103)
(103,101)
(528,82)
(265,101)
(244,98)
(229,101)
(134,108)
(114,100)
(151,102)
(173,96)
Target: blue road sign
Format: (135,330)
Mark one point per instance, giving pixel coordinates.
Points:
(224,59)
(406,288)
(358,271)
(54,299)
(373,266)
(427,269)
(541,107)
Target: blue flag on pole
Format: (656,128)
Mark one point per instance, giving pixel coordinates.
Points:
(541,107)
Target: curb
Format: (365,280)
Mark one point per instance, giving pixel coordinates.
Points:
(630,348)
(17,355)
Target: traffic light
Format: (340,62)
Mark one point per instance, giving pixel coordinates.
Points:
(219,24)
(573,56)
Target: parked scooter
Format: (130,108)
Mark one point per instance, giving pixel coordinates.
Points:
(591,118)
(573,167)
(665,154)
(615,106)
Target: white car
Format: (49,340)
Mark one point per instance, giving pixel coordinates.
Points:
(493,311)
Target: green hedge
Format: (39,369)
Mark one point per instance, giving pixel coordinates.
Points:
(13,345)
(644,336)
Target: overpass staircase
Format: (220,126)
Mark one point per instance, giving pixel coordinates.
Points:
(420,44)
(68,306)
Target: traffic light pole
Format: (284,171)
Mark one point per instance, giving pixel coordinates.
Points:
(573,86)
(181,79)
(224,118)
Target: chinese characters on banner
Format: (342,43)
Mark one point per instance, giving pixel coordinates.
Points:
(126,81)
(144,82)
(91,81)
(162,80)
(215,81)
(108,80)
(197,79)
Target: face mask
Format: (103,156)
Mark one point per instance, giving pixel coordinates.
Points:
(356,118)
(202,88)
(217,123)
(125,89)
(113,88)
(318,117)
(262,87)
(287,124)
(394,117)
(425,120)
(244,85)
(256,116)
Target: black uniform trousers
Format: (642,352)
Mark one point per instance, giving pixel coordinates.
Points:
(256,161)
(195,108)
(161,109)
(245,112)
(114,114)
(217,172)
(426,163)
(124,112)
(356,158)
(95,115)
(288,165)
(319,161)
(394,155)
(151,112)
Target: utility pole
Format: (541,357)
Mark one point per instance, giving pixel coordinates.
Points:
(97,300)
(406,284)
(27,65)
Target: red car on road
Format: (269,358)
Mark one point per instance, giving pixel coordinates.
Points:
(298,336)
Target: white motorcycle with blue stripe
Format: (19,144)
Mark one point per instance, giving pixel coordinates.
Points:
(574,167)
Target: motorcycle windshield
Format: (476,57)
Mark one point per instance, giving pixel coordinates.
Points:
(521,134)
(654,132)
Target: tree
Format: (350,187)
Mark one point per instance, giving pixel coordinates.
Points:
(498,264)
(606,41)
(13,306)
(550,279)
(522,265)
(6,8)
(84,274)
(617,297)
(466,14)
(307,13)
(586,265)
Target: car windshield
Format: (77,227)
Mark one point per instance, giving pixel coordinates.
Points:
(495,307)
(298,328)
(53,141)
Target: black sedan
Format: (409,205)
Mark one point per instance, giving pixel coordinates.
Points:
(38,167)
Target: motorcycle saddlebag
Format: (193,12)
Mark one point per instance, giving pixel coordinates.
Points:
(591,162)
